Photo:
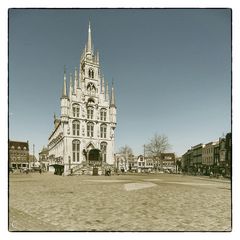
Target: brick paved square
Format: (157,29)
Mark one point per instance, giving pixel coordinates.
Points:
(163,202)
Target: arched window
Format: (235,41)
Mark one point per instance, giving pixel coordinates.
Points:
(76,128)
(90,112)
(103,148)
(103,131)
(90,129)
(91,73)
(76,150)
(90,102)
(103,114)
(75,110)
(91,89)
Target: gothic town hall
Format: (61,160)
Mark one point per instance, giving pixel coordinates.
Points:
(83,135)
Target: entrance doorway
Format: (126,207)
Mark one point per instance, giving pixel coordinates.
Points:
(94,159)
(94,155)
(95,171)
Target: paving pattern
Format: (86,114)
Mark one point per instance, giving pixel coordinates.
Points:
(163,202)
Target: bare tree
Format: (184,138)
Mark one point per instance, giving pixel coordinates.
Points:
(158,145)
(127,152)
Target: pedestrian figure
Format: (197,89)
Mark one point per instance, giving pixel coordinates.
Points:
(40,171)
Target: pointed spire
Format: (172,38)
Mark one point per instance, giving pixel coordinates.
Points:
(64,92)
(89,42)
(97,57)
(103,85)
(70,86)
(75,81)
(54,116)
(107,95)
(113,101)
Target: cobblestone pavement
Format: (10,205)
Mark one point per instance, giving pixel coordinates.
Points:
(154,202)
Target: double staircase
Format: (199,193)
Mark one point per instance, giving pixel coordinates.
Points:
(84,169)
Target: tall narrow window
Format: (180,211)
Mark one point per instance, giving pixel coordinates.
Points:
(76,128)
(90,113)
(75,110)
(103,114)
(103,148)
(90,129)
(103,131)
(91,73)
(76,150)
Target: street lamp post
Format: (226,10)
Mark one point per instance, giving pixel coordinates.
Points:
(33,155)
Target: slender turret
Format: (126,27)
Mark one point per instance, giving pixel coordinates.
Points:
(64,99)
(89,42)
(75,81)
(107,94)
(97,57)
(113,108)
(64,92)
(103,86)
(113,101)
(70,86)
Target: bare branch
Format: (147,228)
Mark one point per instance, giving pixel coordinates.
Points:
(125,150)
(158,145)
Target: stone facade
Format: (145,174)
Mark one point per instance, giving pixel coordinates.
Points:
(84,133)
(208,157)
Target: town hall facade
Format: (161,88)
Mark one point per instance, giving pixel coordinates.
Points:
(83,136)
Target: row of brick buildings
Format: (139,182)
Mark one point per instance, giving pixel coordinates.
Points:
(213,157)
(19,156)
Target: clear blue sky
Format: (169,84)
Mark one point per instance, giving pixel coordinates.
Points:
(171,68)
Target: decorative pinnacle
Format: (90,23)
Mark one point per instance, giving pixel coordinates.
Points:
(89,43)
(113,101)
(107,94)
(64,93)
